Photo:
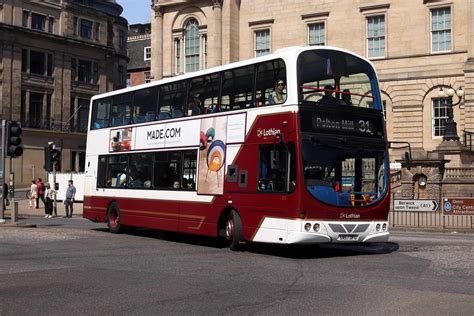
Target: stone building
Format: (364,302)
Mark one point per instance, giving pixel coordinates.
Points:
(139,53)
(54,56)
(417,48)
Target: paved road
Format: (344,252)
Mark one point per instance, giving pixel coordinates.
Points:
(75,267)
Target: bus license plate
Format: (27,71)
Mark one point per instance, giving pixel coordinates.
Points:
(347,237)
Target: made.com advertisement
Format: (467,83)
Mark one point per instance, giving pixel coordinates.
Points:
(210,135)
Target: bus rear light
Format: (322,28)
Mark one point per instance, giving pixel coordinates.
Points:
(384,227)
(307,227)
(316,227)
(377,228)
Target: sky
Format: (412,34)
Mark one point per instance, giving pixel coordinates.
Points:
(136,11)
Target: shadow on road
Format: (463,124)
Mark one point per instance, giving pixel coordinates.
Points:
(286,251)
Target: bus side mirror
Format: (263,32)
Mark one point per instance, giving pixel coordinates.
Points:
(406,155)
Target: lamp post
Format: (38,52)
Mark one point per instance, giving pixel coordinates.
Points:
(447,96)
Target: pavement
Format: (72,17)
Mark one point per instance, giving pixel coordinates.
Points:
(25,211)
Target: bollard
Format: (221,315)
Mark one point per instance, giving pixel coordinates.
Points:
(14,215)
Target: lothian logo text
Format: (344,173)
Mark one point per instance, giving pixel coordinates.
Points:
(261,132)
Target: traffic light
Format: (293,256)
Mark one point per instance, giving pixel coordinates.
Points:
(13,140)
(56,158)
(52,158)
(48,161)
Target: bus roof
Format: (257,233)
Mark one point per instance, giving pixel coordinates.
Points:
(286,54)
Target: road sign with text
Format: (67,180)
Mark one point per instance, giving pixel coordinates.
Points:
(458,206)
(415,205)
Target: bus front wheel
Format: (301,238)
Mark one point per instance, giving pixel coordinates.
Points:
(113,219)
(233,231)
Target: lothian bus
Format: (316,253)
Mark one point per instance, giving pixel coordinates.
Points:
(288,148)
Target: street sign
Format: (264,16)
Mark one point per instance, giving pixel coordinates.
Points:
(458,206)
(415,205)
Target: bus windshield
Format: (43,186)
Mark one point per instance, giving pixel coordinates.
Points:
(329,77)
(341,174)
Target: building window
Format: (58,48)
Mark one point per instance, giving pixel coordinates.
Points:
(121,76)
(35,113)
(147,53)
(51,25)
(97,31)
(121,38)
(49,70)
(24,60)
(262,43)
(26,17)
(441,30)
(85,71)
(204,50)
(38,22)
(128,82)
(37,62)
(147,77)
(82,115)
(177,56)
(376,36)
(75,22)
(440,115)
(73,69)
(191,46)
(86,28)
(316,34)
(96,73)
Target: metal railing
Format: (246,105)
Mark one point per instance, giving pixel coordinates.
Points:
(432,220)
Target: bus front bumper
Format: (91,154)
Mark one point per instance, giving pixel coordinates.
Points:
(285,231)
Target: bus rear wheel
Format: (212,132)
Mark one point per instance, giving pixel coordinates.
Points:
(233,231)
(113,219)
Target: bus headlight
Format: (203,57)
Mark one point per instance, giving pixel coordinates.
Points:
(377,228)
(384,227)
(307,227)
(316,227)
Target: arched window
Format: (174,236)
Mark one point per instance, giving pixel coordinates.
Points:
(192,45)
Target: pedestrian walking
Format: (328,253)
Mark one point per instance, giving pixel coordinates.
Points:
(49,195)
(40,195)
(33,193)
(69,200)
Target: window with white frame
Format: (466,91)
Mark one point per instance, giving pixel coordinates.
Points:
(177,56)
(441,30)
(316,34)
(204,50)
(376,36)
(191,46)
(262,42)
(440,115)
(147,77)
(147,53)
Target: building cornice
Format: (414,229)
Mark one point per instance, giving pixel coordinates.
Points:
(315,15)
(55,37)
(261,22)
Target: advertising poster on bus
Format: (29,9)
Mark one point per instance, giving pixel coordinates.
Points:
(212,142)
(120,139)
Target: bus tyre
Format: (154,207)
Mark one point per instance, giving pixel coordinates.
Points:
(113,219)
(233,232)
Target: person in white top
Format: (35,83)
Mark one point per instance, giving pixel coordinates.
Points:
(49,198)
(33,194)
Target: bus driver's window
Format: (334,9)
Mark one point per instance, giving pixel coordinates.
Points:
(272,168)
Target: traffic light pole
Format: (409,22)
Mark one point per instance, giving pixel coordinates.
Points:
(55,205)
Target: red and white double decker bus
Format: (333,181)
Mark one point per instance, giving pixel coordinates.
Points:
(287,148)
